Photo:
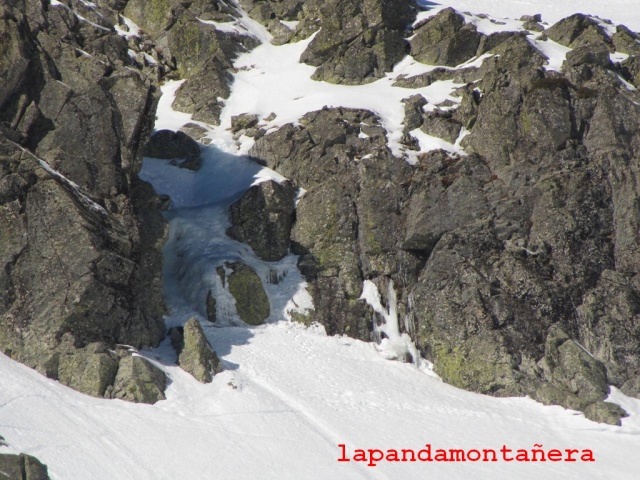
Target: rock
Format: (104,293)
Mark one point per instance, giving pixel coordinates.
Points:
(413,116)
(89,370)
(605,412)
(252,303)
(167,144)
(200,94)
(445,39)
(440,123)
(625,41)
(262,218)
(358,41)
(22,467)
(195,354)
(531,18)
(577,30)
(567,363)
(243,122)
(138,381)
(590,55)
(211,307)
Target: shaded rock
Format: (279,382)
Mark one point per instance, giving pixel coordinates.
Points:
(22,467)
(167,144)
(545,116)
(262,218)
(445,39)
(210,305)
(413,112)
(195,354)
(138,381)
(252,303)
(449,195)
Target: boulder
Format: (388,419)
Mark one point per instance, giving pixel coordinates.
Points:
(445,39)
(252,303)
(195,354)
(168,144)
(200,94)
(138,380)
(22,467)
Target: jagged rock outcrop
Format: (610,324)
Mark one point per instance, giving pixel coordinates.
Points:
(195,354)
(81,235)
(358,40)
(514,265)
(22,467)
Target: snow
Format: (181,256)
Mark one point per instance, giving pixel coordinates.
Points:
(619,11)
(553,51)
(288,398)
(133,30)
(271,79)
(290,395)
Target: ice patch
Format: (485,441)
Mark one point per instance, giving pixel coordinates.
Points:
(392,344)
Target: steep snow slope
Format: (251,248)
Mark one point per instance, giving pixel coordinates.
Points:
(290,396)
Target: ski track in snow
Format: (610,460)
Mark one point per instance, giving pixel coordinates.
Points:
(290,394)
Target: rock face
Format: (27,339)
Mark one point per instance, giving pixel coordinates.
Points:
(22,467)
(195,354)
(262,218)
(515,266)
(82,261)
(358,40)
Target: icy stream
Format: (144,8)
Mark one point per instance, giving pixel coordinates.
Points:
(198,244)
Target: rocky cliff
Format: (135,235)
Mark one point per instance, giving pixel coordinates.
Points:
(81,235)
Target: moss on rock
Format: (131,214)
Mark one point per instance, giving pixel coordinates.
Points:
(252,303)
